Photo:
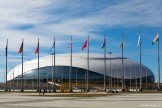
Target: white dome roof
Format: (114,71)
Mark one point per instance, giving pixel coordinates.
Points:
(96,64)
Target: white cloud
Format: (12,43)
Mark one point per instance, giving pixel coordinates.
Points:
(48,18)
(30,19)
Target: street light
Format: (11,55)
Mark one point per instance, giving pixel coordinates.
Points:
(110,80)
(115,71)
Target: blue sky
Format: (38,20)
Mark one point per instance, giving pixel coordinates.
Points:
(44,19)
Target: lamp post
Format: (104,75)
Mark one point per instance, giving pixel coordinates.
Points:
(110,76)
(117,78)
(114,72)
(114,76)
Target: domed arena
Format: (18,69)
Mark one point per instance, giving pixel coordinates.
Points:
(59,74)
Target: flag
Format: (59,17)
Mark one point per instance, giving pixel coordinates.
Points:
(52,46)
(139,40)
(37,49)
(155,39)
(6,48)
(21,48)
(70,45)
(85,45)
(121,45)
(104,43)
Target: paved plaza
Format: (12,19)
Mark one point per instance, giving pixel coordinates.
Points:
(31,100)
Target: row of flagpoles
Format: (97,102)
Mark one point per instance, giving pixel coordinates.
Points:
(86,44)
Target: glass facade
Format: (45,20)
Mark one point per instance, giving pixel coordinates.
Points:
(62,74)
(78,74)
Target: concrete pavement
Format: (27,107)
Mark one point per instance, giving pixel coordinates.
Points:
(25,100)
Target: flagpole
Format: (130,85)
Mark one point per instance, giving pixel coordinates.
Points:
(54,64)
(10,82)
(62,72)
(52,67)
(130,76)
(17,79)
(32,79)
(70,83)
(140,66)
(123,82)
(47,81)
(105,64)
(53,84)
(88,66)
(117,77)
(136,78)
(22,79)
(146,78)
(76,78)
(13,80)
(110,76)
(6,63)
(158,62)
(38,82)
